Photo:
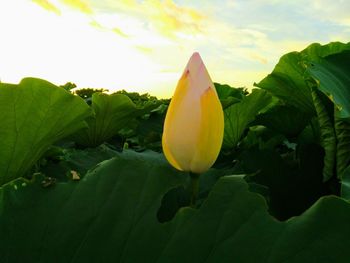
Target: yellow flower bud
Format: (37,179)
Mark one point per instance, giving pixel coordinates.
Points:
(194,123)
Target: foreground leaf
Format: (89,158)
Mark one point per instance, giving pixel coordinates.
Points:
(110,216)
(34,114)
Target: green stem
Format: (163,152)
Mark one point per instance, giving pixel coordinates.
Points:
(194,187)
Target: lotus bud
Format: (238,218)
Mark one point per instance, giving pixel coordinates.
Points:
(194,123)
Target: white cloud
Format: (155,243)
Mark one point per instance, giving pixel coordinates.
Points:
(336,11)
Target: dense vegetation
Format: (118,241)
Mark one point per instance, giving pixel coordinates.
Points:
(84,179)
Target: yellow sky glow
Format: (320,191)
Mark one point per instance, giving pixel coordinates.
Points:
(134,45)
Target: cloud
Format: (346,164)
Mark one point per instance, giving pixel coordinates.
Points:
(96,25)
(79,5)
(114,30)
(143,49)
(331,10)
(47,6)
(258,58)
(119,32)
(167,18)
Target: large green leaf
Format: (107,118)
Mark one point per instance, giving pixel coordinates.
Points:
(148,133)
(33,115)
(112,113)
(284,119)
(342,131)
(327,132)
(110,216)
(333,75)
(229,95)
(345,184)
(239,115)
(287,79)
(294,184)
(78,160)
(262,138)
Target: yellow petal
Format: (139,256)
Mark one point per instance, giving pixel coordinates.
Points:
(211,132)
(169,156)
(180,128)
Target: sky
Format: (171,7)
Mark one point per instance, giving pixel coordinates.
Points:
(144,45)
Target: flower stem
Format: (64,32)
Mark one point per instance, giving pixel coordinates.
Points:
(194,187)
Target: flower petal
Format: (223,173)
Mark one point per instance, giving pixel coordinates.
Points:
(180,127)
(211,132)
